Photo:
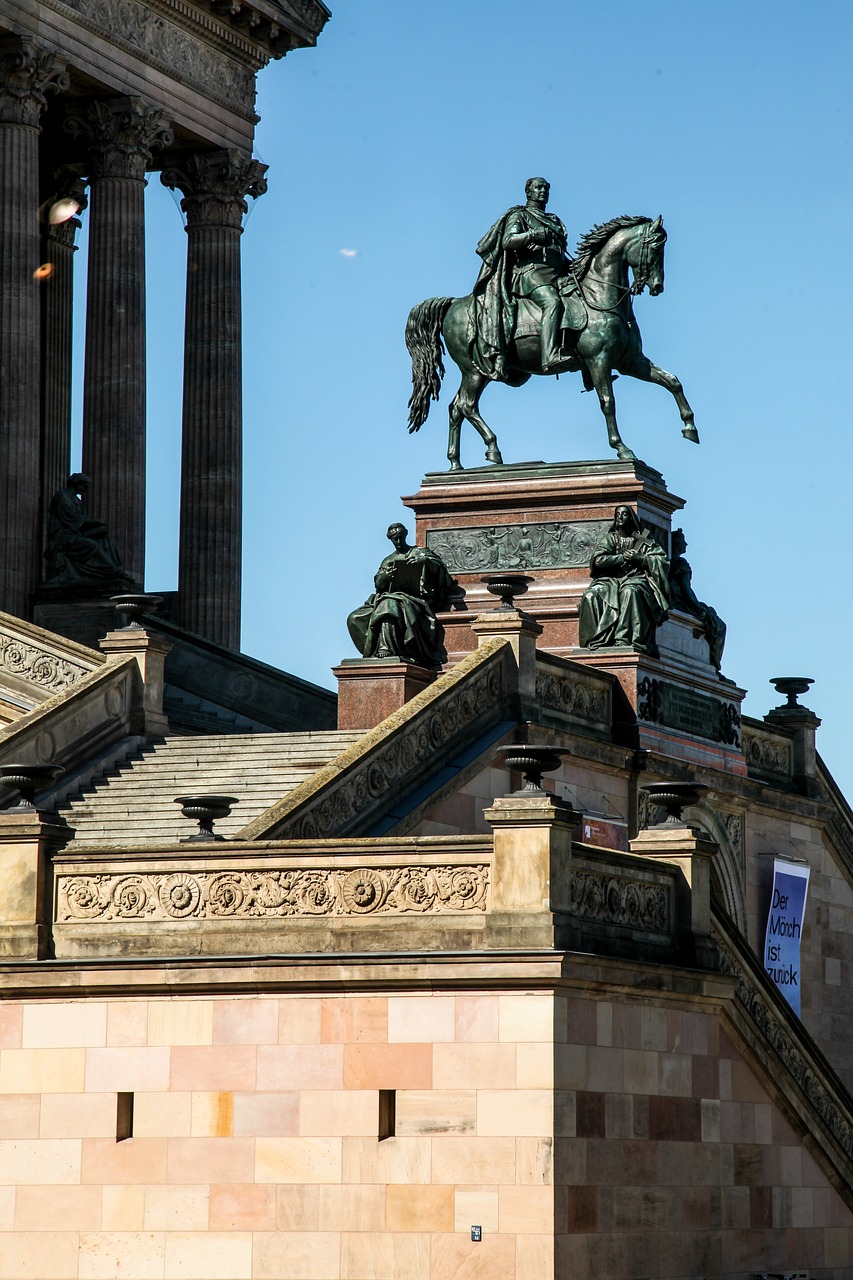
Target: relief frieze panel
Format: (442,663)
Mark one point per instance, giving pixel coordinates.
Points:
(573,697)
(766,753)
(140,29)
(616,900)
(549,545)
(224,895)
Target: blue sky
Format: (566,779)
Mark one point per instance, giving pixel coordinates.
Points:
(402,136)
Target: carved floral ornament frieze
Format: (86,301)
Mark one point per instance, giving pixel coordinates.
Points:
(767,754)
(223,895)
(48,670)
(616,900)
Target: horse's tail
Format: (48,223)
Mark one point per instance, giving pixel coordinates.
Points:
(423,338)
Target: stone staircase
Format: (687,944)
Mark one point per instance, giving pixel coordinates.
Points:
(135,801)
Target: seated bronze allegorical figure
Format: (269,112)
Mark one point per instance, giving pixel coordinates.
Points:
(682,596)
(79,548)
(398,620)
(628,598)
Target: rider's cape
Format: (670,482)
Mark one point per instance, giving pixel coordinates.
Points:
(492,317)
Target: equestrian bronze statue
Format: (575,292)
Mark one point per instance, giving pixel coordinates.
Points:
(534,310)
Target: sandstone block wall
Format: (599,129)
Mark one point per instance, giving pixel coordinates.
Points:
(599,1136)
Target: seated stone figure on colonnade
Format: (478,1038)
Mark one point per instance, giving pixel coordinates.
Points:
(628,597)
(398,620)
(79,548)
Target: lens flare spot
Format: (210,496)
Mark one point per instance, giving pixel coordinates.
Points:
(62,210)
(44,272)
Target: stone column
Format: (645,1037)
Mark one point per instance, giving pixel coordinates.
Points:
(214,186)
(122,134)
(27,74)
(58,251)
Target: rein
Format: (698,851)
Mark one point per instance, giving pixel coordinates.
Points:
(641,278)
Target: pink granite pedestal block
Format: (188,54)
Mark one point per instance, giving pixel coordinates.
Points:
(370,689)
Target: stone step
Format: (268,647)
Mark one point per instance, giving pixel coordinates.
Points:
(135,800)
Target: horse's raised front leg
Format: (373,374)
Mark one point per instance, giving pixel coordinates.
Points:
(466,405)
(647,371)
(602,380)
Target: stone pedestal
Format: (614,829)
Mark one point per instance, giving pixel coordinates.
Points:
(27,840)
(149,650)
(371,689)
(662,705)
(802,724)
(537,519)
(521,631)
(678,843)
(532,868)
(209,561)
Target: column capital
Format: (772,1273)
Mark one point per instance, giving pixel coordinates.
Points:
(122,133)
(28,73)
(214,186)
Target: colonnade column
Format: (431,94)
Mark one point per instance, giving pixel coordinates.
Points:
(122,135)
(214,186)
(57,303)
(27,74)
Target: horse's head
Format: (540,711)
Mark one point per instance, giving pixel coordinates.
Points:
(645,257)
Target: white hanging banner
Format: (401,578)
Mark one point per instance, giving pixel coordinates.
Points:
(785,927)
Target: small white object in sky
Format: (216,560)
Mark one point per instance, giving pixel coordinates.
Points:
(349,253)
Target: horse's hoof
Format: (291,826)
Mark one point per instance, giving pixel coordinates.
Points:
(494,455)
(625,454)
(690,433)
(456,465)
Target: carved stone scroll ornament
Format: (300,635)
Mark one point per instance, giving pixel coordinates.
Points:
(28,662)
(419,890)
(214,186)
(837,1119)
(122,135)
(767,754)
(28,73)
(615,900)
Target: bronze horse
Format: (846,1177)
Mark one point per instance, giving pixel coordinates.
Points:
(610,339)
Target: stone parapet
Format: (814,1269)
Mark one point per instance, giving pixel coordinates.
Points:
(227,898)
(35,664)
(73,726)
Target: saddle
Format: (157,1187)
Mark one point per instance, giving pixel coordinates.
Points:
(529,314)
